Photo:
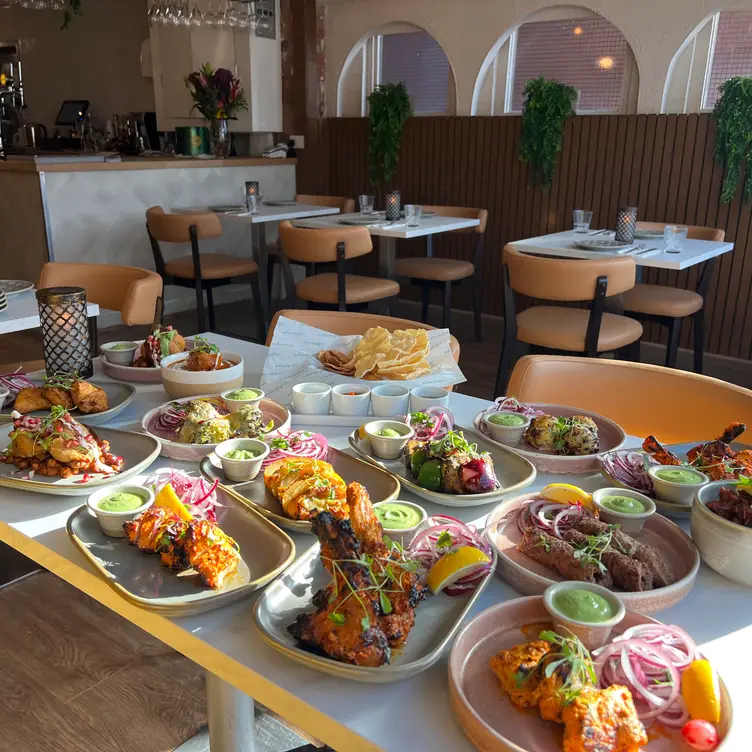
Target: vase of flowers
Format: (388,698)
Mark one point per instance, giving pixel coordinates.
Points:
(217,95)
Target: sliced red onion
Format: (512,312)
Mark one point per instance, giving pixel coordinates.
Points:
(197,493)
(299,444)
(628,467)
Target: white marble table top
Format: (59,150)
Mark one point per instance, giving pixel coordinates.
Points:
(23,313)
(428,225)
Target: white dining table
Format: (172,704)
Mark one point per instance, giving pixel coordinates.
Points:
(410,715)
(23,313)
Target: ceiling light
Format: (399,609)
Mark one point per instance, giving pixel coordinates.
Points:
(606,63)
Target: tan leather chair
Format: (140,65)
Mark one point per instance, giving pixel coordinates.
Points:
(575,330)
(332,245)
(200,271)
(669,306)
(676,406)
(431,272)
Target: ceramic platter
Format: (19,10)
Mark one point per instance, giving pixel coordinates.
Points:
(175,450)
(610,436)
(484,710)
(381,486)
(512,471)
(366,219)
(15,286)
(531,578)
(601,245)
(119,396)
(437,620)
(140,578)
(138,451)
(136,375)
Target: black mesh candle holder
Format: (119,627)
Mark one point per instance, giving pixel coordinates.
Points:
(393,200)
(251,195)
(626,221)
(65,330)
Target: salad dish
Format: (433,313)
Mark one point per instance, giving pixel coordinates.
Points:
(516,684)
(558,439)
(556,535)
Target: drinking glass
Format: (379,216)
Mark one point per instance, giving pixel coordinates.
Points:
(366,204)
(675,235)
(197,17)
(413,213)
(581,221)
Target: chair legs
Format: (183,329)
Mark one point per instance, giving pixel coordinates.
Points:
(446,320)
(698,321)
(672,348)
(426,297)
(200,307)
(477,304)
(210,306)
(256,290)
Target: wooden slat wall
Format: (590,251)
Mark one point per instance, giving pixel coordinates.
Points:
(661,163)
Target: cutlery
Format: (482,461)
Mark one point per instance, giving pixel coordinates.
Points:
(673,251)
(645,250)
(598,232)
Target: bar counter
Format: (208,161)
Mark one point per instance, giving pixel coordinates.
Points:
(27,164)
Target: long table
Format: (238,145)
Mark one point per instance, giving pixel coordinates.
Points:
(414,714)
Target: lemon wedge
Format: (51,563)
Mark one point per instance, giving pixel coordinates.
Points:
(454,566)
(168,499)
(701,692)
(566,493)
(362,432)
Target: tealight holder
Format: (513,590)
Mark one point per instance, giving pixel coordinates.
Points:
(626,221)
(65,331)
(393,201)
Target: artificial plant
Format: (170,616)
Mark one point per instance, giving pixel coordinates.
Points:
(733,135)
(71,8)
(547,106)
(389,110)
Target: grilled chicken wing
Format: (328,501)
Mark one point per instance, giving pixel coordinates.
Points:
(659,452)
(718,460)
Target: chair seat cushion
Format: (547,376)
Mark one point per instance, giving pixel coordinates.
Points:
(213,266)
(562,328)
(433,268)
(322,288)
(659,300)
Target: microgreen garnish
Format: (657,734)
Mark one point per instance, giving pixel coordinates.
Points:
(201,344)
(444,540)
(591,551)
(61,380)
(572,661)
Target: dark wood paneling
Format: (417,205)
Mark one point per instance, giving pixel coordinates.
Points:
(661,163)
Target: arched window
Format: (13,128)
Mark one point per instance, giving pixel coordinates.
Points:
(730,52)
(399,52)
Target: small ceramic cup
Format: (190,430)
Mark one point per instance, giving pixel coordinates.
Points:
(242,470)
(423,397)
(351,399)
(388,447)
(678,493)
(311,398)
(388,400)
(235,404)
(123,356)
(510,435)
(593,635)
(403,536)
(112,522)
(631,524)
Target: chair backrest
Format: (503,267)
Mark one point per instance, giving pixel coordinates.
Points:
(307,245)
(132,291)
(346,322)
(696,232)
(566,279)
(175,228)
(463,212)
(345,205)
(673,405)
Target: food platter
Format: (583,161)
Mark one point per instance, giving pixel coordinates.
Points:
(611,437)
(133,374)
(437,621)
(531,578)
(513,471)
(485,712)
(381,485)
(265,550)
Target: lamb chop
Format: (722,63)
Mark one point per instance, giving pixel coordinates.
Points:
(718,460)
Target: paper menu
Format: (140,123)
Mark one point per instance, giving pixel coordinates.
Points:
(292,359)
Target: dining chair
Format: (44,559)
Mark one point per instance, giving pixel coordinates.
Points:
(434,272)
(675,406)
(589,331)
(200,271)
(329,245)
(669,306)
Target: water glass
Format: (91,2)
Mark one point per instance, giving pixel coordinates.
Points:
(413,213)
(675,235)
(252,204)
(366,204)
(581,221)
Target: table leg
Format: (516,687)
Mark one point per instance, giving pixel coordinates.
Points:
(258,243)
(231,717)
(387,256)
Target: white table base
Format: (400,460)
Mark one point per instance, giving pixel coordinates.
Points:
(231,716)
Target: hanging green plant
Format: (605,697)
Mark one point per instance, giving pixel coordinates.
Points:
(389,110)
(72,8)
(547,106)
(733,135)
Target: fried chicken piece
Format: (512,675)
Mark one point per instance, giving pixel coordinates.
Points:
(30,399)
(211,552)
(88,397)
(518,672)
(58,395)
(198,360)
(147,529)
(659,452)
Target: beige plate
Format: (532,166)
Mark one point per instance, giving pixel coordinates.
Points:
(140,578)
(437,620)
(512,471)
(531,578)
(137,449)
(380,484)
(483,709)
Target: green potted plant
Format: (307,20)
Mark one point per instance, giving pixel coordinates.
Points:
(389,110)
(733,135)
(547,106)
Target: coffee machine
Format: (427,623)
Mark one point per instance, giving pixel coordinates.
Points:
(12,99)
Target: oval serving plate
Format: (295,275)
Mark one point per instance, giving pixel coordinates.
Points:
(512,471)
(175,450)
(531,578)
(133,374)
(484,710)
(610,435)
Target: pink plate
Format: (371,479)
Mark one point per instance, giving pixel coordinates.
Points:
(531,578)
(610,435)
(485,712)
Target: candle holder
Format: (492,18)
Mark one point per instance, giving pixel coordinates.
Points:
(65,331)
(393,201)
(251,195)
(626,221)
